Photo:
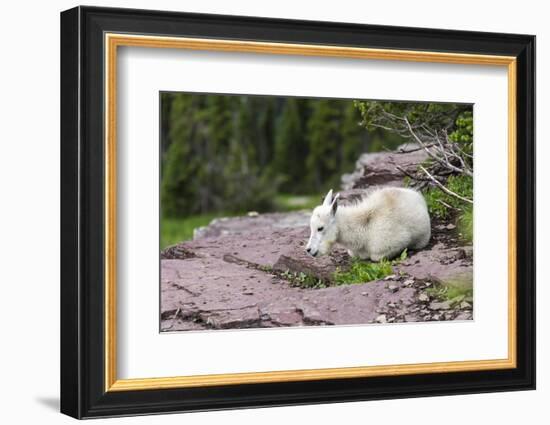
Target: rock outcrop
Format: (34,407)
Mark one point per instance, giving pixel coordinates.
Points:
(251,271)
(381,168)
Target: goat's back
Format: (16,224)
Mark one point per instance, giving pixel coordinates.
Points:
(401,213)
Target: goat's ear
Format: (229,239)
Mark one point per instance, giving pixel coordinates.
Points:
(328,199)
(334,205)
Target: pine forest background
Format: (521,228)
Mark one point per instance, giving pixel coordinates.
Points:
(226,155)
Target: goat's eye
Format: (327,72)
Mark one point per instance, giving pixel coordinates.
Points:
(320,229)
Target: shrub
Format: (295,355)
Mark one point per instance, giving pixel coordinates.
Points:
(441,205)
(466,225)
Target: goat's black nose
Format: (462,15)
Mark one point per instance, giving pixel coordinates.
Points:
(308,249)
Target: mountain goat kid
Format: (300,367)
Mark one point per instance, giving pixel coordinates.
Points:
(381,225)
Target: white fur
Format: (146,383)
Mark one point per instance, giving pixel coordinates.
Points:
(381,225)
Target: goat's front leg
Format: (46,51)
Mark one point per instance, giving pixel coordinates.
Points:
(361,254)
(377,257)
(387,254)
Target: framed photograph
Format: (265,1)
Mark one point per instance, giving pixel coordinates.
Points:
(261,212)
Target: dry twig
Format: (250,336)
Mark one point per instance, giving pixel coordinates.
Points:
(174,318)
(443,188)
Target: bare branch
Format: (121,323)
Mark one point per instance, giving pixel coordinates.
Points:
(443,188)
(429,131)
(445,162)
(446,205)
(453,147)
(454,154)
(420,142)
(393,116)
(442,149)
(174,318)
(383,127)
(412,176)
(414,150)
(462,151)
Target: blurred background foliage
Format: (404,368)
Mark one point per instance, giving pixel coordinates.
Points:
(232,154)
(224,155)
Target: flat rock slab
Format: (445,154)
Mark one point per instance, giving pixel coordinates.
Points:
(234,275)
(209,293)
(251,223)
(266,248)
(440,264)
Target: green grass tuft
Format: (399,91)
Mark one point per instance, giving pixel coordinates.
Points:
(303,280)
(363,272)
(443,206)
(174,230)
(449,292)
(287,202)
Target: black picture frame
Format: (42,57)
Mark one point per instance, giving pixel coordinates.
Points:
(83,392)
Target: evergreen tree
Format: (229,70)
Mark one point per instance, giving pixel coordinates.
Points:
(228,153)
(324,138)
(241,171)
(291,145)
(265,113)
(166,101)
(180,162)
(354,138)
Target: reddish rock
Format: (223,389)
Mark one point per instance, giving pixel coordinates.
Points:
(233,274)
(251,223)
(441,264)
(208,293)
(380,168)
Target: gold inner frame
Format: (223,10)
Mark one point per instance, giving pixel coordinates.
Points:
(113,41)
